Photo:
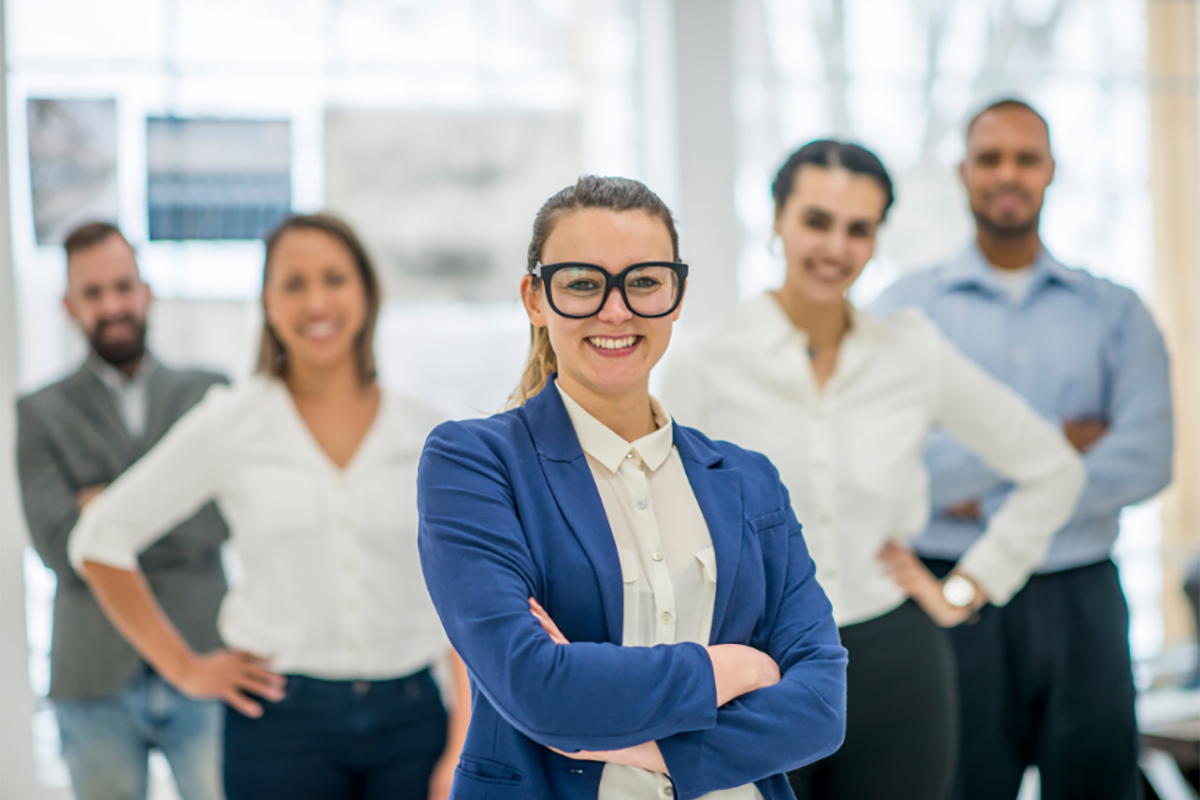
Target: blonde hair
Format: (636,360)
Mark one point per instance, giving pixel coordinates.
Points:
(272,357)
(590,191)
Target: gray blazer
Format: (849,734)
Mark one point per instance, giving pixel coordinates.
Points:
(70,436)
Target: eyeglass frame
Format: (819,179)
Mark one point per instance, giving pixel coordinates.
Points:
(544,272)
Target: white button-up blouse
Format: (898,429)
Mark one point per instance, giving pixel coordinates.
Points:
(331,584)
(668,564)
(851,454)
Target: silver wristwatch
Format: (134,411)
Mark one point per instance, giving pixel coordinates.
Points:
(959,591)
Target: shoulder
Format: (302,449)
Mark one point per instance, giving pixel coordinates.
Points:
(55,396)
(410,418)
(499,434)
(914,286)
(740,323)
(194,378)
(762,488)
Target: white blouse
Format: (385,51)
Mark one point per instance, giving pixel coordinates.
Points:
(668,564)
(331,583)
(851,454)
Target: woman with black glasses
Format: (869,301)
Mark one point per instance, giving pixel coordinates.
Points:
(634,602)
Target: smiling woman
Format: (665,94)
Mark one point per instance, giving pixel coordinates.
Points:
(613,580)
(330,632)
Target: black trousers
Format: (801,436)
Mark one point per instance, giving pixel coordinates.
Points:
(338,740)
(1047,680)
(901,715)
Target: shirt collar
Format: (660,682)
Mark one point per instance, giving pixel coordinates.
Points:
(117,380)
(602,444)
(972,270)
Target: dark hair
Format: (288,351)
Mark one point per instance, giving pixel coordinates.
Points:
(1007,102)
(272,358)
(829,153)
(90,234)
(590,191)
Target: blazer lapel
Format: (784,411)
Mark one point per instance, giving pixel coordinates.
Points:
(718,491)
(157,421)
(574,489)
(96,404)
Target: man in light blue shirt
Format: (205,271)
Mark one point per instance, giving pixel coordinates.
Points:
(1047,679)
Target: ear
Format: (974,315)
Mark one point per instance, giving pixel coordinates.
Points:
(68,306)
(1053,169)
(531,298)
(778,222)
(962,171)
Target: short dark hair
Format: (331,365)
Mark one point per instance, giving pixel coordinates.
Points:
(272,357)
(829,153)
(1007,102)
(90,234)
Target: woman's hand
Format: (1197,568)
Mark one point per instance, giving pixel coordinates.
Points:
(916,581)
(547,623)
(442,777)
(229,675)
(739,670)
(645,756)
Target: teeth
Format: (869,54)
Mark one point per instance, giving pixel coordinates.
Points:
(613,344)
(319,330)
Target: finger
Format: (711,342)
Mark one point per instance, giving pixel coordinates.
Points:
(266,676)
(242,704)
(255,685)
(252,658)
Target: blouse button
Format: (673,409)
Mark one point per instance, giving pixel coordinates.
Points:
(657,556)
(629,455)
(666,618)
(641,504)
(668,791)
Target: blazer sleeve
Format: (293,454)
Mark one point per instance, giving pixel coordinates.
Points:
(480,573)
(783,727)
(47,492)
(165,487)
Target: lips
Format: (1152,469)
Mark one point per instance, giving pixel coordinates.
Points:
(614,346)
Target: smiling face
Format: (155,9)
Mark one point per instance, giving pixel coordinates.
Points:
(106,295)
(611,353)
(1007,169)
(315,299)
(828,227)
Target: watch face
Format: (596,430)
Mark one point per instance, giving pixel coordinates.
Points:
(958,591)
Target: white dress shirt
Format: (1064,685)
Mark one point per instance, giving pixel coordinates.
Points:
(128,391)
(668,564)
(331,583)
(850,454)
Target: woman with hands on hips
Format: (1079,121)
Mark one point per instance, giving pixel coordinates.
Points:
(330,629)
(841,402)
(635,602)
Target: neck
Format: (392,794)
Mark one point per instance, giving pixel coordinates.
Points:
(627,414)
(131,368)
(824,323)
(337,381)
(1009,252)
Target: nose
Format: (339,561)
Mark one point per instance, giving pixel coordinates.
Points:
(1006,170)
(614,309)
(839,244)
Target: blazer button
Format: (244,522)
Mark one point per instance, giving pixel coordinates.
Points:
(641,504)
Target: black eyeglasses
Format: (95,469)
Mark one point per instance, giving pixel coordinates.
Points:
(578,290)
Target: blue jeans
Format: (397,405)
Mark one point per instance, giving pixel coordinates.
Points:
(338,740)
(106,742)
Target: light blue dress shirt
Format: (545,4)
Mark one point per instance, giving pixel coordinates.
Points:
(1075,347)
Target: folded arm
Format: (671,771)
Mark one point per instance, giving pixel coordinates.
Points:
(480,573)
(1131,461)
(782,727)
(48,494)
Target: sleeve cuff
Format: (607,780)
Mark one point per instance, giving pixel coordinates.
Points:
(89,541)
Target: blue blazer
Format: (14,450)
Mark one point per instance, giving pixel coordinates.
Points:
(509,510)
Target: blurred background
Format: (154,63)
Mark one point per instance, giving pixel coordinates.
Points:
(438,129)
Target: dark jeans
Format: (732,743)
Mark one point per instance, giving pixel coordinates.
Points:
(338,740)
(1047,680)
(901,714)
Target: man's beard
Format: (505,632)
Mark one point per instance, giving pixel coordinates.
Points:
(121,353)
(1002,230)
